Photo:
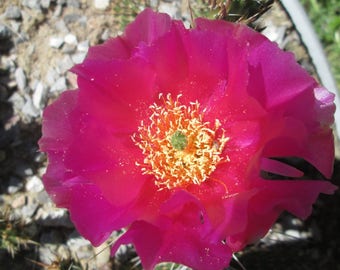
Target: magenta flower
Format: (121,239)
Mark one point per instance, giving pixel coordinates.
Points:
(169,131)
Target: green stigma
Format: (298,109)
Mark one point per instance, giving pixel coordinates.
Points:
(179,141)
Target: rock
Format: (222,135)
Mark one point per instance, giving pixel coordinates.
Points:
(34,184)
(64,252)
(61,2)
(275,33)
(53,217)
(73,3)
(171,9)
(45,4)
(83,46)
(51,76)
(101,4)
(20,78)
(47,253)
(38,95)
(29,209)
(293,234)
(64,65)
(59,85)
(69,48)
(102,254)
(5,33)
(19,201)
(17,100)
(43,198)
(70,39)
(30,110)
(32,4)
(58,11)
(60,26)
(78,57)
(105,35)
(23,169)
(79,246)
(71,18)
(56,42)
(13,13)
(15,184)
(52,253)
(39,158)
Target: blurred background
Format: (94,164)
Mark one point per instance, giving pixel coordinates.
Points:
(40,40)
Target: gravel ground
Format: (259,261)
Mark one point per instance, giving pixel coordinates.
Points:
(39,41)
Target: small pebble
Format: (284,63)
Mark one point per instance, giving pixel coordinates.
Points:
(47,253)
(64,65)
(23,169)
(78,57)
(70,39)
(29,209)
(71,18)
(56,42)
(32,4)
(19,201)
(73,3)
(60,26)
(13,13)
(20,78)
(14,185)
(59,85)
(53,217)
(51,76)
(69,48)
(34,184)
(293,233)
(45,3)
(83,46)
(30,110)
(5,33)
(38,95)
(171,9)
(17,100)
(101,4)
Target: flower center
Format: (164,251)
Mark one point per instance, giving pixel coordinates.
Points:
(180,149)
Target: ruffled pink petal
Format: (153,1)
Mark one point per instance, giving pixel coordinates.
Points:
(92,212)
(93,215)
(110,77)
(240,154)
(56,126)
(225,103)
(112,49)
(77,146)
(147,27)
(272,197)
(181,236)
(273,88)
(168,57)
(325,106)
(215,61)
(290,137)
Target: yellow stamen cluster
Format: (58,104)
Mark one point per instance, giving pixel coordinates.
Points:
(179,148)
